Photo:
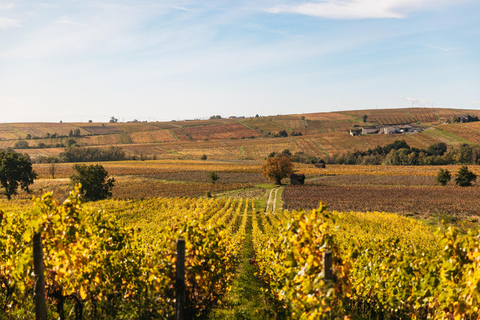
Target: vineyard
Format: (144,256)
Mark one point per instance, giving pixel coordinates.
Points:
(115,259)
(246,256)
(425,201)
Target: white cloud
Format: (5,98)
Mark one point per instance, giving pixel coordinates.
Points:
(417,101)
(477,103)
(6,6)
(180,8)
(440,48)
(67,20)
(9,23)
(361,9)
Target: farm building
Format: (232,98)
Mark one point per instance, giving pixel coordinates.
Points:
(370,130)
(400,129)
(297,179)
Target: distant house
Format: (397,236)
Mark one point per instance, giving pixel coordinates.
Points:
(402,129)
(370,130)
(297,179)
(388,130)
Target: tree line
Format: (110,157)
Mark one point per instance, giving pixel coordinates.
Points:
(400,153)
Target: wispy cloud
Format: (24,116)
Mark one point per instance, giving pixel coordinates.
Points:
(67,20)
(360,9)
(180,8)
(6,6)
(9,23)
(439,48)
(258,27)
(417,101)
(476,103)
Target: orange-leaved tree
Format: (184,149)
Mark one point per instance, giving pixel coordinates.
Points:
(278,167)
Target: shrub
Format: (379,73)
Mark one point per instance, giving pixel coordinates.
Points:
(443,176)
(465,177)
(96,185)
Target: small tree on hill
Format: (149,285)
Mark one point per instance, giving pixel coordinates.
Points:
(278,168)
(21,145)
(96,184)
(212,176)
(465,177)
(15,171)
(443,176)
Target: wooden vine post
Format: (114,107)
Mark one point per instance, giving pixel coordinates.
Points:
(180,280)
(38,268)
(327,271)
(327,265)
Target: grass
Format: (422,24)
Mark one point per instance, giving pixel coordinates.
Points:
(173,134)
(246,300)
(441,134)
(279,201)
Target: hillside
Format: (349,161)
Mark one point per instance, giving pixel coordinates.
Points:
(245,138)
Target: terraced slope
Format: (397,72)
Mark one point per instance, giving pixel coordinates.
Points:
(245,138)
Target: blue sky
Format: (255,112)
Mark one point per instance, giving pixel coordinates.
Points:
(162,60)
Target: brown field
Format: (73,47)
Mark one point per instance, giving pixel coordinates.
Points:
(96,129)
(203,176)
(423,200)
(400,189)
(219,131)
(152,136)
(264,123)
(328,116)
(464,131)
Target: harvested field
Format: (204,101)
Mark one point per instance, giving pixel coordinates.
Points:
(130,188)
(105,129)
(324,116)
(203,176)
(219,131)
(375,180)
(152,136)
(463,131)
(265,124)
(423,200)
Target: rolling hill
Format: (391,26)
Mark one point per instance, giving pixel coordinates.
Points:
(245,138)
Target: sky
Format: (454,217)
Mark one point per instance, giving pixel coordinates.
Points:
(161,60)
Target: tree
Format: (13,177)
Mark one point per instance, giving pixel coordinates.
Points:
(96,184)
(204,157)
(52,167)
(364,118)
(443,176)
(282,133)
(21,145)
(15,170)
(438,149)
(212,176)
(71,143)
(277,168)
(465,177)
